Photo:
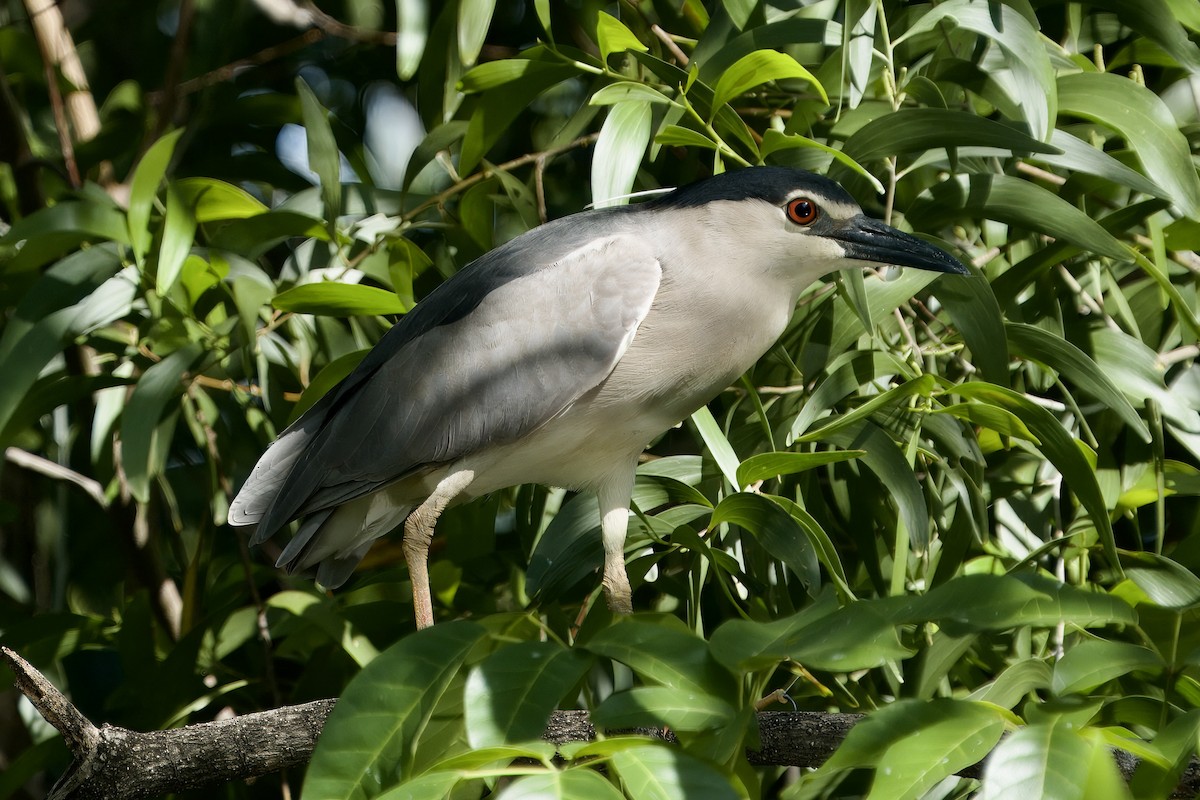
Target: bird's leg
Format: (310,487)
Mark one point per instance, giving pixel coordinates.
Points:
(614,522)
(418,532)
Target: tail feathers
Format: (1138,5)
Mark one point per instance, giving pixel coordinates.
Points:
(261,489)
(336,539)
(333,572)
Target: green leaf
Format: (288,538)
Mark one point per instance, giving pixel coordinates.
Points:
(918,387)
(494,74)
(52,231)
(1016,202)
(765,466)
(1145,123)
(619,151)
(739,11)
(510,695)
(662,651)
(1000,420)
(1094,663)
(1049,760)
(332,299)
(975,603)
(650,706)
(857,636)
(678,136)
(774,141)
(143,188)
(622,91)
(912,745)
(64,302)
(329,376)
(1059,448)
(1079,156)
(571,784)
(323,156)
(758,68)
(474,17)
(211,200)
(1030,82)
(779,534)
(1015,683)
(422,787)
(497,110)
(960,735)
(412,31)
(139,422)
(1035,344)
(975,312)
(372,734)
(718,446)
(887,461)
(614,37)
(664,772)
(179,229)
(1166,582)
(568,552)
(915,130)
(253,236)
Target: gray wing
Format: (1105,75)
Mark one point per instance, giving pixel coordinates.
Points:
(487,364)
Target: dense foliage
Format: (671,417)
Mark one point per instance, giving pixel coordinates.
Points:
(966,506)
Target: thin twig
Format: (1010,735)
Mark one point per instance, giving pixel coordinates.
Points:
(666,39)
(51,469)
(466,183)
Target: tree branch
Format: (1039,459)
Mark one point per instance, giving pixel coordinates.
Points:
(114,763)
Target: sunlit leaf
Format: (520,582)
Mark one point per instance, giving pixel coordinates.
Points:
(619,151)
(338,300)
(373,730)
(614,37)
(758,68)
(511,694)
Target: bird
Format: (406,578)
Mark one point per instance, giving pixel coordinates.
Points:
(555,359)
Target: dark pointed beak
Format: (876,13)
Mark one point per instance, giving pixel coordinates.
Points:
(866,239)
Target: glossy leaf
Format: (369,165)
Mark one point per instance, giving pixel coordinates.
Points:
(661,651)
(139,421)
(915,130)
(474,17)
(1031,84)
(614,37)
(323,156)
(511,694)
(662,772)
(973,603)
(373,730)
(769,465)
(758,68)
(144,188)
(1093,663)
(774,528)
(647,706)
(338,300)
(1050,761)
(1019,203)
(1032,342)
(412,28)
(857,636)
(619,151)
(179,228)
(1141,118)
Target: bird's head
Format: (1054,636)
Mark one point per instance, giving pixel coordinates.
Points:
(801,222)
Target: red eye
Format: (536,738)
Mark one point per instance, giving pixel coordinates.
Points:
(802,211)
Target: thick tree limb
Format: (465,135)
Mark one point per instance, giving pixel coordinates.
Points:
(118,764)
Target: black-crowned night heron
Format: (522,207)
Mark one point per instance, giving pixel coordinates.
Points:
(555,359)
